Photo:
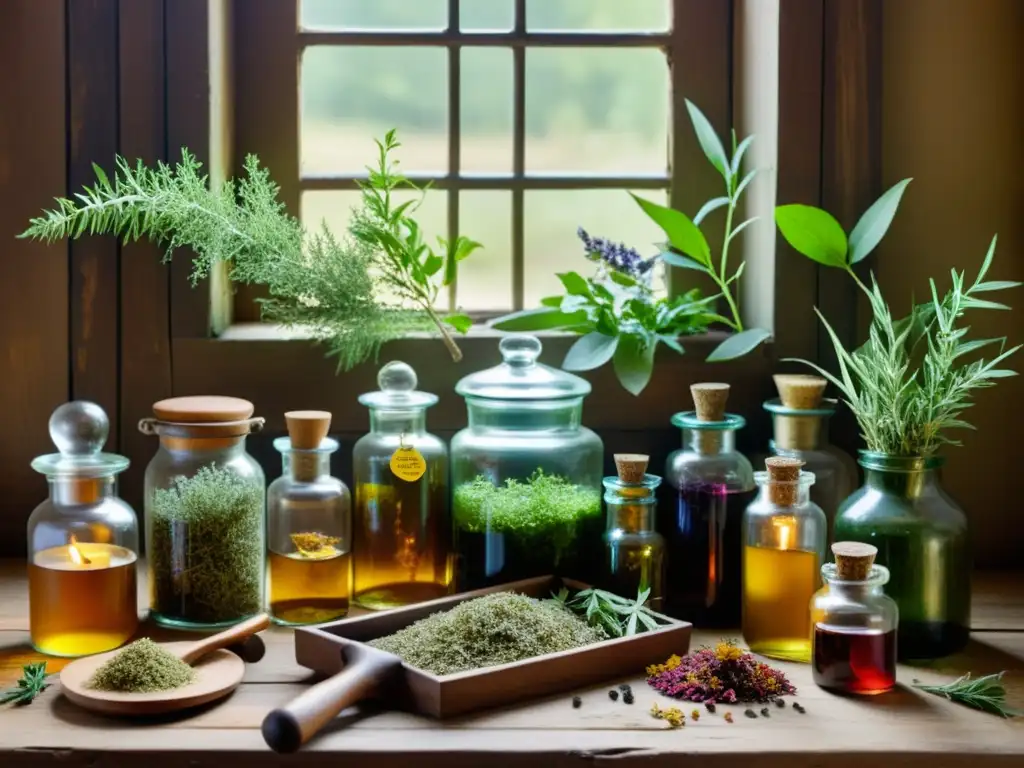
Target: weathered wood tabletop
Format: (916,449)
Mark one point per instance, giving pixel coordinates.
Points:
(906,727)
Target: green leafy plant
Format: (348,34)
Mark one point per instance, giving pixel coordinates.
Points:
(355,291)
(617,616)
(914,377)
(985,693)
(32,683)
(618,315)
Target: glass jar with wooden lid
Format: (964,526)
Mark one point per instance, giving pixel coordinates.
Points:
(204,509)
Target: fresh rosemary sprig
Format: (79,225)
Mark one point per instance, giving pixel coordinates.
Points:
(985,693)
(32,683)
(617,616)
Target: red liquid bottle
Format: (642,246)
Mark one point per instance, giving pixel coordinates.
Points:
(854,637)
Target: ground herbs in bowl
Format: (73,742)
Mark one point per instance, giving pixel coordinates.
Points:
(142,667)
(725,674)
(486,631)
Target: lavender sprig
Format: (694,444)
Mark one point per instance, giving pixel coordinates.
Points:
(617,256)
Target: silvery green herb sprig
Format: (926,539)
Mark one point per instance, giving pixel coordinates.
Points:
(987,693)
(32,683)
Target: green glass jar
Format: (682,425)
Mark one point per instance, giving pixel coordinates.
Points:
(921,535)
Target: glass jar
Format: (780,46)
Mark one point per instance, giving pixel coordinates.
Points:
(205,514)
(783,549)
(401,545)
(83,542)
(922,538)
(634,551)
(526,474)
(309,527)
(854,621)
(708,485)
(802,433)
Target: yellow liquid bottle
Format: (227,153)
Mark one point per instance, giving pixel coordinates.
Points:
(784,543)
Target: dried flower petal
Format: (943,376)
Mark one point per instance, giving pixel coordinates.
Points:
(723,674)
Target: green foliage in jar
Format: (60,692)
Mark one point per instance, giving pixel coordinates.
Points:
(618,315)
(377,282)
(206,548)
(544,511)
(914,378)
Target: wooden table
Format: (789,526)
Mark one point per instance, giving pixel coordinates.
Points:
(905,728)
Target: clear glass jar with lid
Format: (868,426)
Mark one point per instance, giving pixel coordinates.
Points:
(205,514)
(708,485)
(854,624)
(526,475)
(309,527)
(83,542)
(401,540)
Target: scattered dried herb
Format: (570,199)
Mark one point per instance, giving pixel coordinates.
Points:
(613,695)
(750,713)
(577,702)
(728,717)
(673,715)
(985,693)
(710,706)
(765,712)
(494,629)
(142,667)
(206,552)
(627,697)
(724,674)
(31,684)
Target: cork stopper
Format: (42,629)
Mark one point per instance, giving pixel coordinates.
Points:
(709,398)
(632,467)
(853,560)
(783,480)
(307,429)
(800,390)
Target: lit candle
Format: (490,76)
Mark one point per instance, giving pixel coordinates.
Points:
(784,530)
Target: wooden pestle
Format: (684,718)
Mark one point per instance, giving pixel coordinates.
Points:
(226,639)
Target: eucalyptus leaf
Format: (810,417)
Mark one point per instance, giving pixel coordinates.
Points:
(683,234)
(590,351)
(742,186)
(711,205)
(678,260)
(575,284)
(633,362)
(738,344)
(709,141)
(875,221)
(737,156)
(543,319)
(813,232)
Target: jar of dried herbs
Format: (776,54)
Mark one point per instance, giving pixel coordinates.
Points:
(204,509)
(526,475)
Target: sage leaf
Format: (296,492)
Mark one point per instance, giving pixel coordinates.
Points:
(813,232)
(633,362)
(678,260)
(737,155)
(875,221)
(543,319)
(709,141)
(461,323)
(574,283)
(683,234)
(590,351)
(738,344)
(711,205)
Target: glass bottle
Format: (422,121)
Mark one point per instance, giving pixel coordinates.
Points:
(402,532)
(83,542)
(634,550)
(800,418)
(309,527)
(922,538)
(526,474)
(205,506)
(708,485)
(854,621)
(784,545)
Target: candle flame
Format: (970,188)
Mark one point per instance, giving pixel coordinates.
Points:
(785,533)
(76,555)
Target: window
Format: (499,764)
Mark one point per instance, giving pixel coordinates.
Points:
(528,118)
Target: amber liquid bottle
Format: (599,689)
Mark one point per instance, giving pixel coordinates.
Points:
(402,540)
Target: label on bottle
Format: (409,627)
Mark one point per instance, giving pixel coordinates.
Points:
(408,464)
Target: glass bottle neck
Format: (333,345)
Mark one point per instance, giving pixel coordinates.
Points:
(306,466)
(906,484)
(632,516)
(81,490)
(410,422)
(784,495)
(710,441)
(799,433)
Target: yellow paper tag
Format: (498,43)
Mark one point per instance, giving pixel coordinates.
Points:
(408,464)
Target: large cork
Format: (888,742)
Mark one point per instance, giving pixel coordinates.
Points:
(306,430)
(709,399)
(797,390)
(632,467)
(783,480)
(853,560)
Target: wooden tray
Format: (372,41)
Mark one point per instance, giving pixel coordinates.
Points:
(324,648)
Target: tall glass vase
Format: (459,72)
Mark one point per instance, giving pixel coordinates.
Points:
(921,535)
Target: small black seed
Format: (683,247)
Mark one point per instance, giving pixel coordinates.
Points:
(625,687)
(577,702)
(627,697)
(796,705)
(765,712)
(801,710)
(710,706)
(613,694)
(750,713)
(780,703)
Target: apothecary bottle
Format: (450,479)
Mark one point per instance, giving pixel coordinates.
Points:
(922,538)
(401,540)
(708,484)
(800,418)
(634,551)
(854,624)
(309,527)
(783,549)
(83,542)
(526,474)
(205,513)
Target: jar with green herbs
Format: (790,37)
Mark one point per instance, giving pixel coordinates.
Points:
(526,474)
(205,514)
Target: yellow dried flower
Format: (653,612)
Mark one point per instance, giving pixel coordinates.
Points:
(726,651)
(695,714)
(671,663)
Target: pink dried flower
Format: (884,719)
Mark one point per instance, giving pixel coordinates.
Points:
(724,674)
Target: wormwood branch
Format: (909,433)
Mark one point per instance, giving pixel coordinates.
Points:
(32,683)
(985,693)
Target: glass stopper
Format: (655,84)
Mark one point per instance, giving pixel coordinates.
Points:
(520,351)
(79,428)
(397,378)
